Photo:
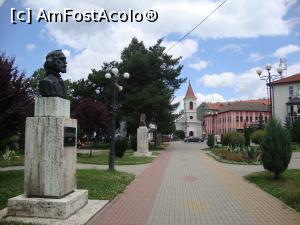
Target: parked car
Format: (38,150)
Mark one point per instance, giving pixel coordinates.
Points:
(192,139)
(202,139)
(218,139)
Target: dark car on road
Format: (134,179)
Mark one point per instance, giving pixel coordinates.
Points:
(192,139)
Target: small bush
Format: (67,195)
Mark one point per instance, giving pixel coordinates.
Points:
(276,148)
(233,139)
(133,143)
(120,147)
(210,140)
(295,131)
(257,136)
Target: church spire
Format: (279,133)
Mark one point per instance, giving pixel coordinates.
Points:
(189,92)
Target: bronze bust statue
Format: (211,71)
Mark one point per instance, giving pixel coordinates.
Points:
(52,85)
(143,120)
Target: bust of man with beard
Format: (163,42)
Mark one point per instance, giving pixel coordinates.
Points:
(52,85)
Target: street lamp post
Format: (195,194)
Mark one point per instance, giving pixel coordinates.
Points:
(269,78)
(114,76)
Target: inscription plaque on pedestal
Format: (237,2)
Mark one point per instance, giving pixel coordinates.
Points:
(69,136)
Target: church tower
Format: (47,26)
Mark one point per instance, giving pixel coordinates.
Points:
(189,122)
(190,111)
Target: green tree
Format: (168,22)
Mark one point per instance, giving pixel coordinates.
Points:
(179,133)
(151,87)
(295,131)
(37,75)
(276,148)
(211,140)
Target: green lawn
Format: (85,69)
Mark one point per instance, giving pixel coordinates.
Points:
(97,158)
(101,184)
(286,188)
(295,147)
(102,158)
(18,160)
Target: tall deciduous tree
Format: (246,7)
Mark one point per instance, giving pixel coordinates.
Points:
(93,116)
(16,103)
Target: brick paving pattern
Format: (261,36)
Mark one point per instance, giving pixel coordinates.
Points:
(194,189)
(134,205)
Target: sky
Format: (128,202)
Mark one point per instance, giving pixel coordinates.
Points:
(220,57)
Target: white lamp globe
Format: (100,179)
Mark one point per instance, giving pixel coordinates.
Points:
(268,67)
(126,75)
(120,88)
(107,75)
(259,72)
(279,70)
(115,71)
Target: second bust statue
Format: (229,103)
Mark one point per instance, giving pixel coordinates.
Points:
(53,85)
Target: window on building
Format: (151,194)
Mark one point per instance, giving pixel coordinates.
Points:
(237,119)
(250,118)
(291,91)
(241,118)
(298,90)
(247,119)
(191,117)
(191,105)
(256,118)
(266,119)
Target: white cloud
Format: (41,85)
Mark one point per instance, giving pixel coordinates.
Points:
(218,80)
(255,56)
(185,48)
(66,53)
(30,47)
(246,85)
(95,43)
(232,47)
(286,50)
(214,97)
(1,2)
(199,65)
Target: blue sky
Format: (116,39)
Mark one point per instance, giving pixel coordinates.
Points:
(220,57)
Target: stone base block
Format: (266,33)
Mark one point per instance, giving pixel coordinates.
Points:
(142,140)
(81,217)
(52,106)
(142,153)
(62,208)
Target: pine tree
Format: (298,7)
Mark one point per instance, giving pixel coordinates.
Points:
(276,148)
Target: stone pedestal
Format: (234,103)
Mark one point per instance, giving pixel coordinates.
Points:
(142,142)
(50,164)
(61,208)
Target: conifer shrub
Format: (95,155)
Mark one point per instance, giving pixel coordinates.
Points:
(276,148)
(120,147)
(133,143)
(210,141)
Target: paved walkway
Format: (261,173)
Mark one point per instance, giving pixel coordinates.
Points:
(185,186)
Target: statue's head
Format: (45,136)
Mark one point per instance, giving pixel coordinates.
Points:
(56,61)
